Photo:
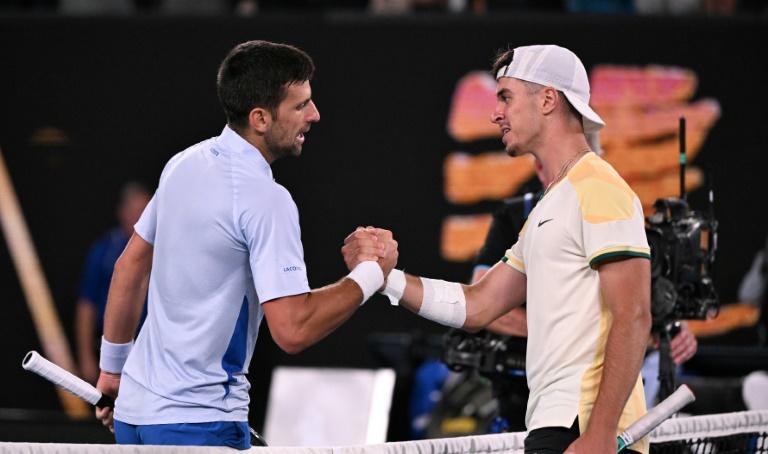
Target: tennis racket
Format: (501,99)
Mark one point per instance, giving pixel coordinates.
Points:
(657,415)
(34,362)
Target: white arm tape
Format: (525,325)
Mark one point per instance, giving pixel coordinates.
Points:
(444,302)
(395,287)
(369,277)
(113,356)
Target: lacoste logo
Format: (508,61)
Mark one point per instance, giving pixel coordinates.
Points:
(291,268)
(545,221)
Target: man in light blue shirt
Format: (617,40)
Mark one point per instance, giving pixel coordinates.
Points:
(223,244)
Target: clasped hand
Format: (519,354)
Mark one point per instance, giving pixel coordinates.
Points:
(370,244)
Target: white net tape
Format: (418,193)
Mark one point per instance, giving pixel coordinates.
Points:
(711,426)
(673,429)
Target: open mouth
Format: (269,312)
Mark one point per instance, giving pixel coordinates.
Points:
(300,136)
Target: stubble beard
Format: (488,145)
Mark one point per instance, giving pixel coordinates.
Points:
(281,150)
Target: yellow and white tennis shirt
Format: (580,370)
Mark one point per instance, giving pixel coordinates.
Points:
(589,216)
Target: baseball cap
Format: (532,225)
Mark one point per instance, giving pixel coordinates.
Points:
(559,68)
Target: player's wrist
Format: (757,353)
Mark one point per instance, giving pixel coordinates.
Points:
(394,287)
(600,428)
(113,356)
(368,276)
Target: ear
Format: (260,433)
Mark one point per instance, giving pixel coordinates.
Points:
(549,100)
(260,119)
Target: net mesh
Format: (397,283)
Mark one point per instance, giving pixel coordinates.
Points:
(727,444)
(742,432)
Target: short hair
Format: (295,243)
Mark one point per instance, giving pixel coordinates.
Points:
(256,74)
(504,58)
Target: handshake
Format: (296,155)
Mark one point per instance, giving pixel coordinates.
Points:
(370,244)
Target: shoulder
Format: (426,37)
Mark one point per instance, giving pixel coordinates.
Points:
(263,197)
(602,194)
(190,152)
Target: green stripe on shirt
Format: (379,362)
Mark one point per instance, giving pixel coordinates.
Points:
(614,254)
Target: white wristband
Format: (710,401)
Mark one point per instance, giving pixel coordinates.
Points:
(369,277)
(113,356)
(395,287)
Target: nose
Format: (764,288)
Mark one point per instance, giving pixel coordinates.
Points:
(497,116)
(314,114)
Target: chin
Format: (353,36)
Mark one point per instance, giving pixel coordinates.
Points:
(514,152)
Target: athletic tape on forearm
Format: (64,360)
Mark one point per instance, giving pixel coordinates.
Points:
(369,277)
(395,287)
(113,356)
(443,302)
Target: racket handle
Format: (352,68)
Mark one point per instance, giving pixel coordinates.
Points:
(34,362)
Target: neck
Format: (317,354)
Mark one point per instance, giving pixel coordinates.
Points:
(558,156)
(257,140)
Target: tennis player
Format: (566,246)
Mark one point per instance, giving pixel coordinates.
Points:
(223,245)
(581,262)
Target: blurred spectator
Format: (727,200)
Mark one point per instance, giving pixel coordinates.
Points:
(600,6)
(198,7)
(97,274)
(714,7)
(96,7)
(455,6)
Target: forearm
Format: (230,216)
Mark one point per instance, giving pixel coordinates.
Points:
(413,294)
(127,294)
(502,289)
(325,309)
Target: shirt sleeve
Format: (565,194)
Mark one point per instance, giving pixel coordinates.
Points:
(612,224)
(273,236)
(147,223)
(514,255)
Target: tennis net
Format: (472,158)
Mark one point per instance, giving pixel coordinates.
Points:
(730,433)
(741,432)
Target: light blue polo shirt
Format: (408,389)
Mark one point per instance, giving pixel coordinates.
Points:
(226,238)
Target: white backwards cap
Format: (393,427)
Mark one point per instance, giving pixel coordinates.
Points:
(559,68)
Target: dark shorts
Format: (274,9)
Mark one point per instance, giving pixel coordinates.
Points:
(226,433)
(554,440)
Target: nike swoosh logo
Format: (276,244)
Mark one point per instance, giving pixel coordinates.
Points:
(545,221)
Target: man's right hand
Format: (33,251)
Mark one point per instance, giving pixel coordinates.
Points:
(391,254)
(108,384)
(370,243)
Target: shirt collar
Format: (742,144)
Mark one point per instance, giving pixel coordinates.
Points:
(230,141)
